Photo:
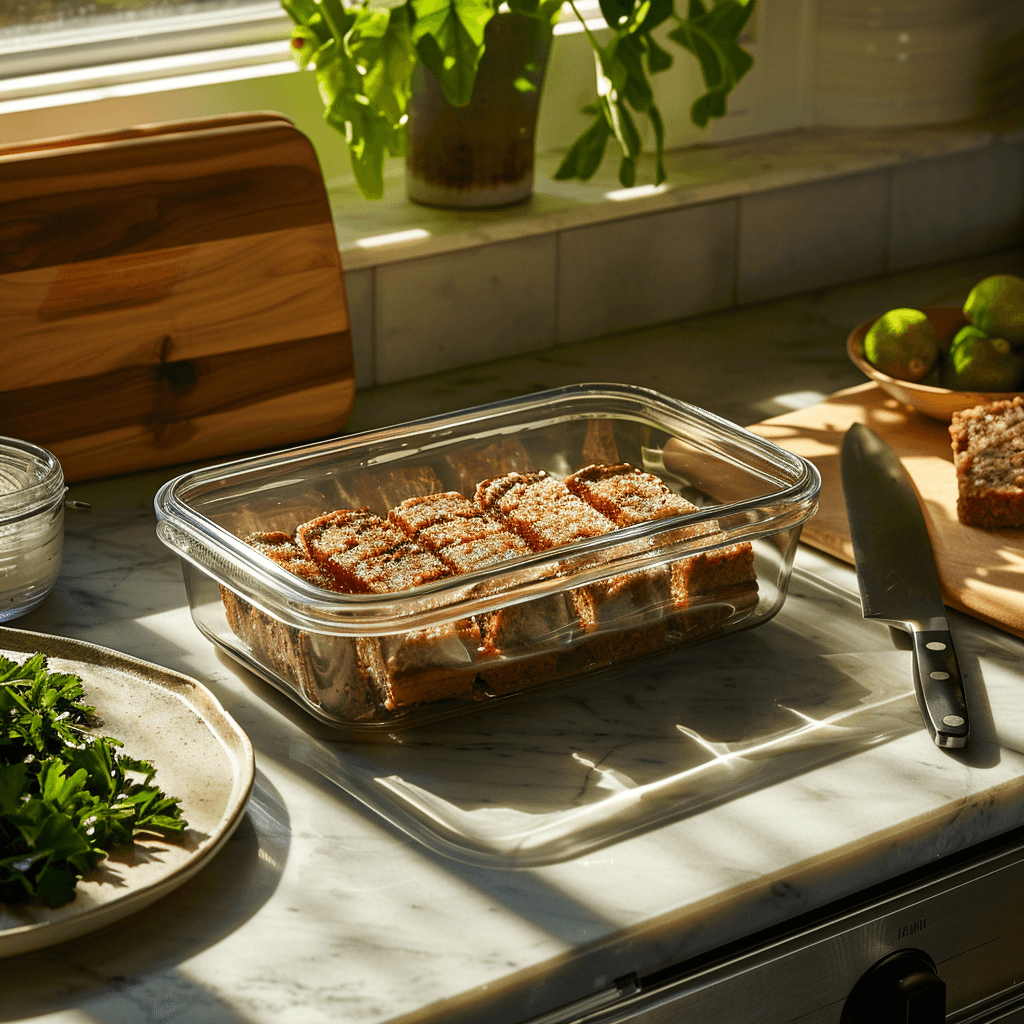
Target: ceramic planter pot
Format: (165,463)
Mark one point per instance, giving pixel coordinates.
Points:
(480,155)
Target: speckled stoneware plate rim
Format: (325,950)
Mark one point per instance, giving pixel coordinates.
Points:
(938,403)
(178,711)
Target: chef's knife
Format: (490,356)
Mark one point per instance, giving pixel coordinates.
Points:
(898,579)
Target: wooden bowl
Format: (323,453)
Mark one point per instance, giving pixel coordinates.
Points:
(939,403)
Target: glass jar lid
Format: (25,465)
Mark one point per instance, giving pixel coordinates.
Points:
(31,480)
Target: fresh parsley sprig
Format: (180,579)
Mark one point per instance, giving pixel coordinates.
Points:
(67,797)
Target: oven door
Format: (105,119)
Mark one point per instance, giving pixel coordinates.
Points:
(945,944)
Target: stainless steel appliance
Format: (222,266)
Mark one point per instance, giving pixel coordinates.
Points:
(958,923)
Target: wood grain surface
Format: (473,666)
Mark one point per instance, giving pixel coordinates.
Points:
(982,571)
(170,293)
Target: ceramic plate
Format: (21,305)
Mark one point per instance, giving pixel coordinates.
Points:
(201,756)
(939,403)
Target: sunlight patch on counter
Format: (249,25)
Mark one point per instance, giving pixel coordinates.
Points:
(393,237)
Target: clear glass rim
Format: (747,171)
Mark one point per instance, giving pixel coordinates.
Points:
(214,550)
(44,493)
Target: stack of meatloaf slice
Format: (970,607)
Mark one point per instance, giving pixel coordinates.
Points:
(326,669)
(628,496)
(436,536)
(525,636)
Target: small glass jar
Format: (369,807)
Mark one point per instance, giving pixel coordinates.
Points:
(31,525)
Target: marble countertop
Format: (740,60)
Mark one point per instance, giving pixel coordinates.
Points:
(319,910)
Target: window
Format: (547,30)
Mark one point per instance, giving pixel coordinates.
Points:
(40,36)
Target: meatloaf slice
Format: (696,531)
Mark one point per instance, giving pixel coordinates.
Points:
(547,515)
(988,453)
(332,671)
(368,555)
(628,496)
(466,539)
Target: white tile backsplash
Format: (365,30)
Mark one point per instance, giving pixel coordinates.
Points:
(812,236)
(957,206)
(359,294)
(645,270)
(523,285)
(465,307)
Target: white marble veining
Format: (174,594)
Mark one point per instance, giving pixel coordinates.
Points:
(320,910)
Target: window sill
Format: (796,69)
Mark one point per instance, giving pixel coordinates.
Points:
(737,223)
(394,229)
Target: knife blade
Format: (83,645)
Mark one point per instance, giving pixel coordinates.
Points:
(899,582)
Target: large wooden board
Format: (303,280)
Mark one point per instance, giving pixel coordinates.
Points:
(170,293)
(982,571)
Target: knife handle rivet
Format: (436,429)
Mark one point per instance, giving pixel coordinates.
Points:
(938,675)
(952,720)
(935,645)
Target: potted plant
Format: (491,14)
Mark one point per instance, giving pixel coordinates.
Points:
(462,78)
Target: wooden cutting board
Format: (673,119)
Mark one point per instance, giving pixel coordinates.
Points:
(982,571)
(170,293)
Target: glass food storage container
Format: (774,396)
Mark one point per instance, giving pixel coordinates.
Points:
(31,525)
(400,576)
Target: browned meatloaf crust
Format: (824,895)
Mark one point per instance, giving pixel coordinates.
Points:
(546,514)
(368,555)
(466,539)
(628,496)
(988,453)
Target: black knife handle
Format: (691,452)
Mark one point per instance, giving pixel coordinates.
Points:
(940,688)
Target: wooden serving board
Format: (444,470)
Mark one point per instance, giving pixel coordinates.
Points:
(982,571)
(170,293)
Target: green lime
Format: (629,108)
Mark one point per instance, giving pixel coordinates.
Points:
(976,362)
(996,306)
(902,343)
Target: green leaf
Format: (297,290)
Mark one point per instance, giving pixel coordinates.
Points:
(585,154)
(627,172)
(304,44)
(300,11)
(56,886)
(65,796)
(528,8)
(657,12)
(380,44)
(630,137)
(658,58)
(336,16)
(616,12)
(711,36)
(550,11)
(374,54)
(636,88)
(659,143)
(612,73)
(449,38)
(13,786)
(612,76)
(368,135)
(727,18)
